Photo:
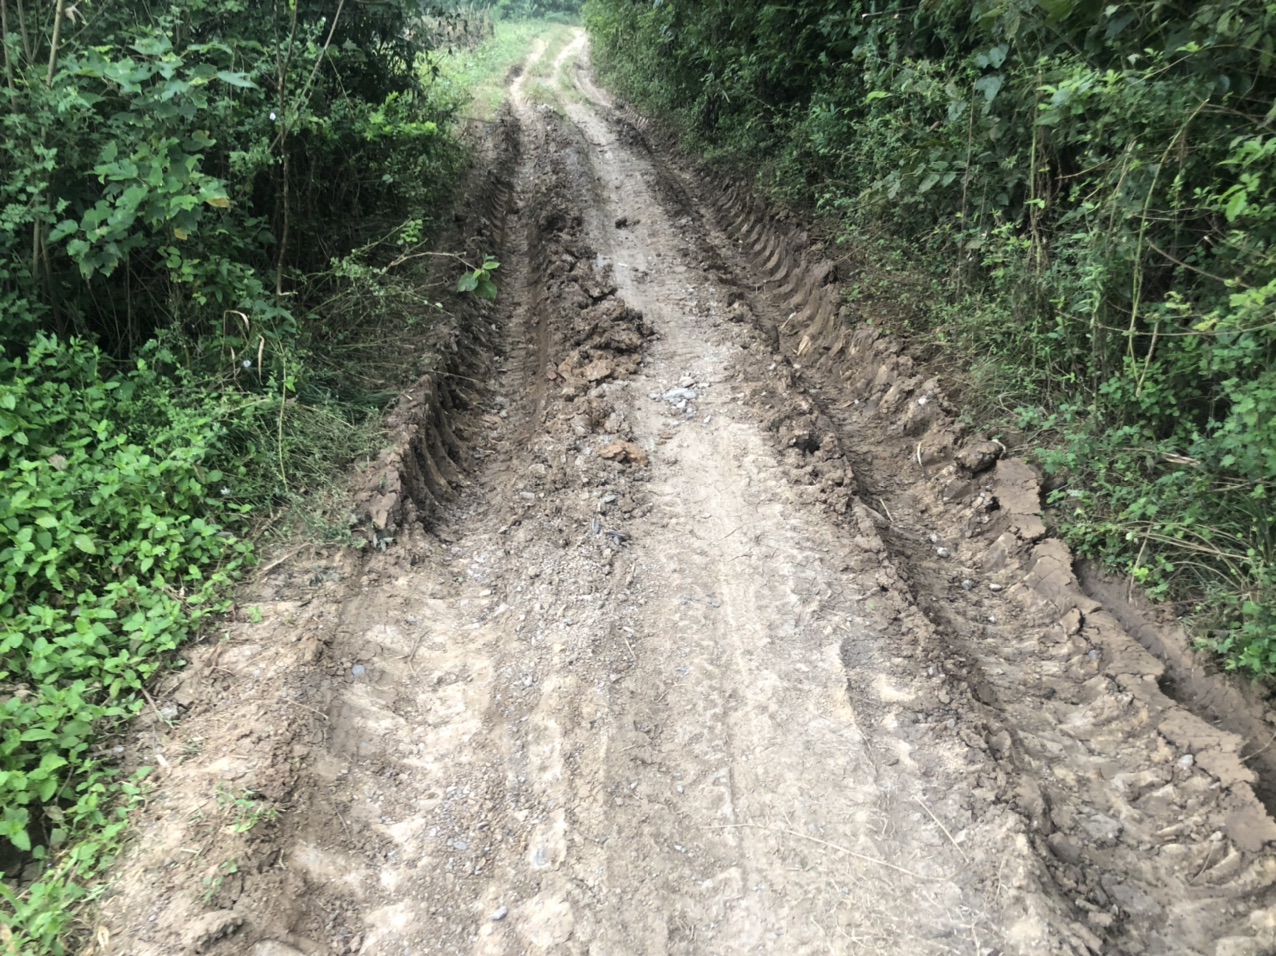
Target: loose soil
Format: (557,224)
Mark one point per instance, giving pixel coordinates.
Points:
(690,622)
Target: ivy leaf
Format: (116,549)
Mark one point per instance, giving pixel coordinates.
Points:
(990,86)
(1237,205)
(48,788)
(84,543)
(19,837)
(153,46)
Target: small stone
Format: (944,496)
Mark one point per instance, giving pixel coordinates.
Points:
(683,394)
(996,587)
(1264,921)
(1102,829)
(1186,761)
(624,452)
(979,456)
(1064,848)
(168,711)
(203,931)
(968,585)
(358,670)
(943,552)
(500,914)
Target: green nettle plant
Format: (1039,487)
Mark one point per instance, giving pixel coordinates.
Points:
(1095,181)
(111,552)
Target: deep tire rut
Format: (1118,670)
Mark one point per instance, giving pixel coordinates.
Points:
(699,662)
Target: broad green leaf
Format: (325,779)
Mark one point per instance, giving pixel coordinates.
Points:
(236,79)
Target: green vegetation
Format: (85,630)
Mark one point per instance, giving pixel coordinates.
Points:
(554,11)
(212,218)
(1095,188)
(481,71)
(244,809)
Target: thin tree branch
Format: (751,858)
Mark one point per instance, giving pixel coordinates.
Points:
(58,16)
(4,36)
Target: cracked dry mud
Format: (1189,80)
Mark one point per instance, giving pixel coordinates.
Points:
(701,628)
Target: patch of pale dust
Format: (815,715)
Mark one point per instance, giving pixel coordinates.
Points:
(571,52)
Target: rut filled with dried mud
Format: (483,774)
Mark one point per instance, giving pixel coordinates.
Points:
(691,623)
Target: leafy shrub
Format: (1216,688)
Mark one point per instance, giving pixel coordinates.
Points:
(111,552)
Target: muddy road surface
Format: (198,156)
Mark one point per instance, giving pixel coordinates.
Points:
(691,623)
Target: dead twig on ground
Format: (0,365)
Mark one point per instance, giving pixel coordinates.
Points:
(941,826)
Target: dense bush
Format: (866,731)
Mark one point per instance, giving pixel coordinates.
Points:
(1096,184)
(110,552)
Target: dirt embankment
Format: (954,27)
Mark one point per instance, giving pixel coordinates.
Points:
(694,624)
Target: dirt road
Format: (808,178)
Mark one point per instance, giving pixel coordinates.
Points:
(732,642)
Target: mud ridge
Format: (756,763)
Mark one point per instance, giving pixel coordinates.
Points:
(424,465)
(1240,707)
(1145,850)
